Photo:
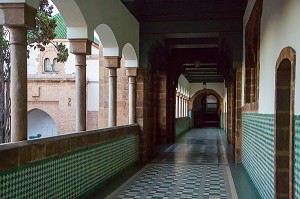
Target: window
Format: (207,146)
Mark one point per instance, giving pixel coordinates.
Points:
(55,65)
(47,66)
(51,68)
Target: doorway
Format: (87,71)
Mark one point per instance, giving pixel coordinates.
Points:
(284,127)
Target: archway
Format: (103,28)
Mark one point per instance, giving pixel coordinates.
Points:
(206,106)
(40,125)
(284,125)
(129,55)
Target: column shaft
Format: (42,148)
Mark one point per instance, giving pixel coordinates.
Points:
(180,107)
(132,99)
(184,107)
(112,97)
(177,106)
(18,90)
(80,92)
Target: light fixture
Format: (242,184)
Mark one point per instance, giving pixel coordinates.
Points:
(204,84)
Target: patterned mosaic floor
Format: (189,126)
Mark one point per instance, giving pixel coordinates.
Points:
(195,167)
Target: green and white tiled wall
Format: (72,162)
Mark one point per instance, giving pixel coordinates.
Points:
(258,152)
(73,175)
(297,157)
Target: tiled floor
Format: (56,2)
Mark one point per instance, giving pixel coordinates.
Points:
(195,167)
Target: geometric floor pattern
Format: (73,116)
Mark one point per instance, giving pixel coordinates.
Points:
(194,167)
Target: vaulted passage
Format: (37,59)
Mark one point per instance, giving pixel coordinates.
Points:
(155,99)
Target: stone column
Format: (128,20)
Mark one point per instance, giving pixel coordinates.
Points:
(19,17)
(230,108)
(112,63)
(238,116)
(132,73)
(80,48)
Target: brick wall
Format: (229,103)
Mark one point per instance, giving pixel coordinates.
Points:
(57,98)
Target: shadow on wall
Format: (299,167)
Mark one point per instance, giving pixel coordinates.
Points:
(40,125)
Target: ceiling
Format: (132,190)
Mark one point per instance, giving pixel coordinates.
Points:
(202,37)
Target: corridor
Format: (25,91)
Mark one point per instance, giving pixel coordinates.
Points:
(196,166)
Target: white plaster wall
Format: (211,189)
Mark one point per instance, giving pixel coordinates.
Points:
(182,81)
(32,62)
(116,16)
(280,28)
(39,122)
(218,87)
(93,96)
(92,68)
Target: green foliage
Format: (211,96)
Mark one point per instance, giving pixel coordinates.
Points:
(44,32)
(4,45)
(42,35)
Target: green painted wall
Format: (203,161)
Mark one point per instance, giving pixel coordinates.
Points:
(182,124)
(258,151)
(73,175)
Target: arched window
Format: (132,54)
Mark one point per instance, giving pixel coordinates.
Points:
(47,66)
(252,43)
(55,65)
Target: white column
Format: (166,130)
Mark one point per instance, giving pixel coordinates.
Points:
(80,92)
(177,106)
(112,97)
(181,105)
(184,106)
(132,73)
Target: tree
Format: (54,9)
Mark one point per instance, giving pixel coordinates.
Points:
(41,36)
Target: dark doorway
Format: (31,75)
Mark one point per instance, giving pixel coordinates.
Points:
(284,131)
(206,111)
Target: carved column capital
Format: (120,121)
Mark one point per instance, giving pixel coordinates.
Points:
(80,46)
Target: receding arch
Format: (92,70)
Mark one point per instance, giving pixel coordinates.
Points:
(108,40)
(199,105)
(129,55)
(284,124)
(40,123)
(205,91)
(74,19)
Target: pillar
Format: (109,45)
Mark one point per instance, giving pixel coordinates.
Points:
(132,73)
(183,104)
(19,17)
(180,105)
(177,105)
(112,63)
(80,48)
(238,116)
(230,112)
(186,106)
